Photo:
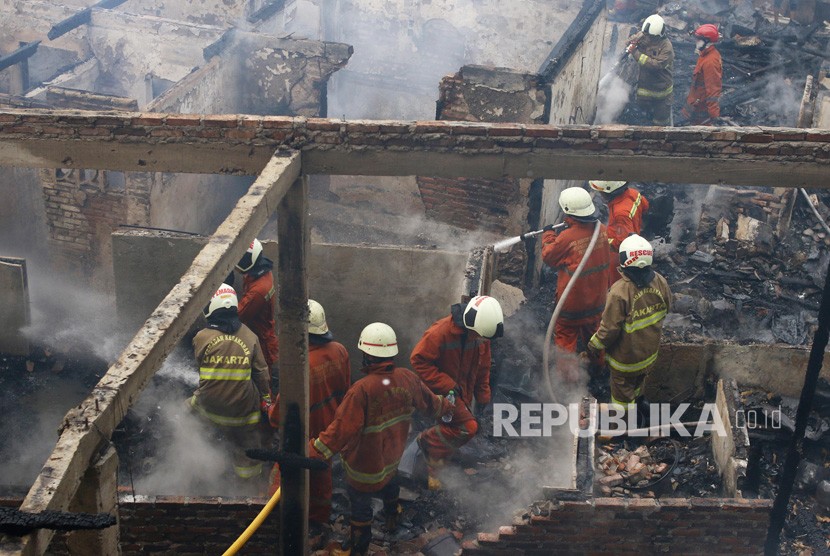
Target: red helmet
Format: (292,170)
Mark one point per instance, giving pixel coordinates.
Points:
(708,32)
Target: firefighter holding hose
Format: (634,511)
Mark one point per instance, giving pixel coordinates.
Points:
(632,324)
(581,311)
(369,430)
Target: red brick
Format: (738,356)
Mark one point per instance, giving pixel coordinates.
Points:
(162,132)
(757,138)
(580,133)
(205,133)
(541,131)
(822,136)
(241,134)
(362,127)
(277,122)
(6,118)
(182,120)
(53,130)
(221,120)
(612,132)
(323,124)
(431,127)
(506,130)
(27,129)
(148,119)
(723,135)
(469,129)
(389,127)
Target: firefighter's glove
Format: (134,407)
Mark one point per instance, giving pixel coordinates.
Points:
(265,405)
(313,452)
(550,228)
(594,354)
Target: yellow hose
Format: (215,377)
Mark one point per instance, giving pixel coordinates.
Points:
(246,534)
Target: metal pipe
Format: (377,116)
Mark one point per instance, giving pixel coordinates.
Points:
(782,501)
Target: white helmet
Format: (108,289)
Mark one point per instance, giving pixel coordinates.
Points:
(316,318)
(250,257)
(636,251)
(224,298)
(576,202)
(378,339)
(483,315)
(654,26)
(606,186)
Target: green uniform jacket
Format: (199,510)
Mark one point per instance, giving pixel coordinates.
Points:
(632,324)
(656,60)
(233,377)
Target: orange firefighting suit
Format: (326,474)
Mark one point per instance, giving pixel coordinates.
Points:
(655,86)
(371,425)
(233,380)
(329,379)
(625,217)
(702,104)
(630,331)
(256,310)
(451,357)
(582,310)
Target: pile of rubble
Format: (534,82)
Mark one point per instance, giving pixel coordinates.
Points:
(625,470)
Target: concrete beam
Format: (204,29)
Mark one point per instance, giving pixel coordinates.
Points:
(241,144)
(85,428)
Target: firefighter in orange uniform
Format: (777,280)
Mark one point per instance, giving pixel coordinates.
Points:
(453,357)
(329,379)
(370,429)
(703,103)
(234,384)
(256,307)
(582,310)
(626,209)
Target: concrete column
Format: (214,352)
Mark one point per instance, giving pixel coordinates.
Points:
(98,493)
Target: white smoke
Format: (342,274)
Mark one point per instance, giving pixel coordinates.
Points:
(612,98)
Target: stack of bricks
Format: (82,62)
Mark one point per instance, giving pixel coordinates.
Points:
(613,526)
(452,105)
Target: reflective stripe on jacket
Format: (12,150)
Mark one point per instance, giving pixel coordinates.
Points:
(256,311)
(329,377)
(448,355)
(563,252)
(656,59)
(233,377)
(632,324)
(625,217)
(371,426)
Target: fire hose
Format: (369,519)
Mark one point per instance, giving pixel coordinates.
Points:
(559,304)
(251,529)
(284,459)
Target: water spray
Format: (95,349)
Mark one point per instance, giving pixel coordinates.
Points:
(504,245)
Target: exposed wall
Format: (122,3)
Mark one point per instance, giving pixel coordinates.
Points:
(681,369)
(183,525)
(683,526)
(404,48)
(573,96)
(128,47)
(407,288)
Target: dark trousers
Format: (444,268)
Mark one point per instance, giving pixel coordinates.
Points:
(361,502)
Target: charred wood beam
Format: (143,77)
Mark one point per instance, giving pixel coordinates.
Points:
(216,48)
(81,18)
(19,55)
(266,11)
(16,523)
(571,40)
(782,501)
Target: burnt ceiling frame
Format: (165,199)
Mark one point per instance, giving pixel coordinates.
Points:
(281,186)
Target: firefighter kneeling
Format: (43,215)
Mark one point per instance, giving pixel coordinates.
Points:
(632,324)
(370,429)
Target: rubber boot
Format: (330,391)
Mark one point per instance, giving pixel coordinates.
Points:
(392,513)
(433,467)
(357,544)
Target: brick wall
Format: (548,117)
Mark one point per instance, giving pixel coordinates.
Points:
(758,145)
(471,203)
(616,526)
(185,526)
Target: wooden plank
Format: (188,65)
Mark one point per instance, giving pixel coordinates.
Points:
(87,426)
(137,156)
(292,217)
